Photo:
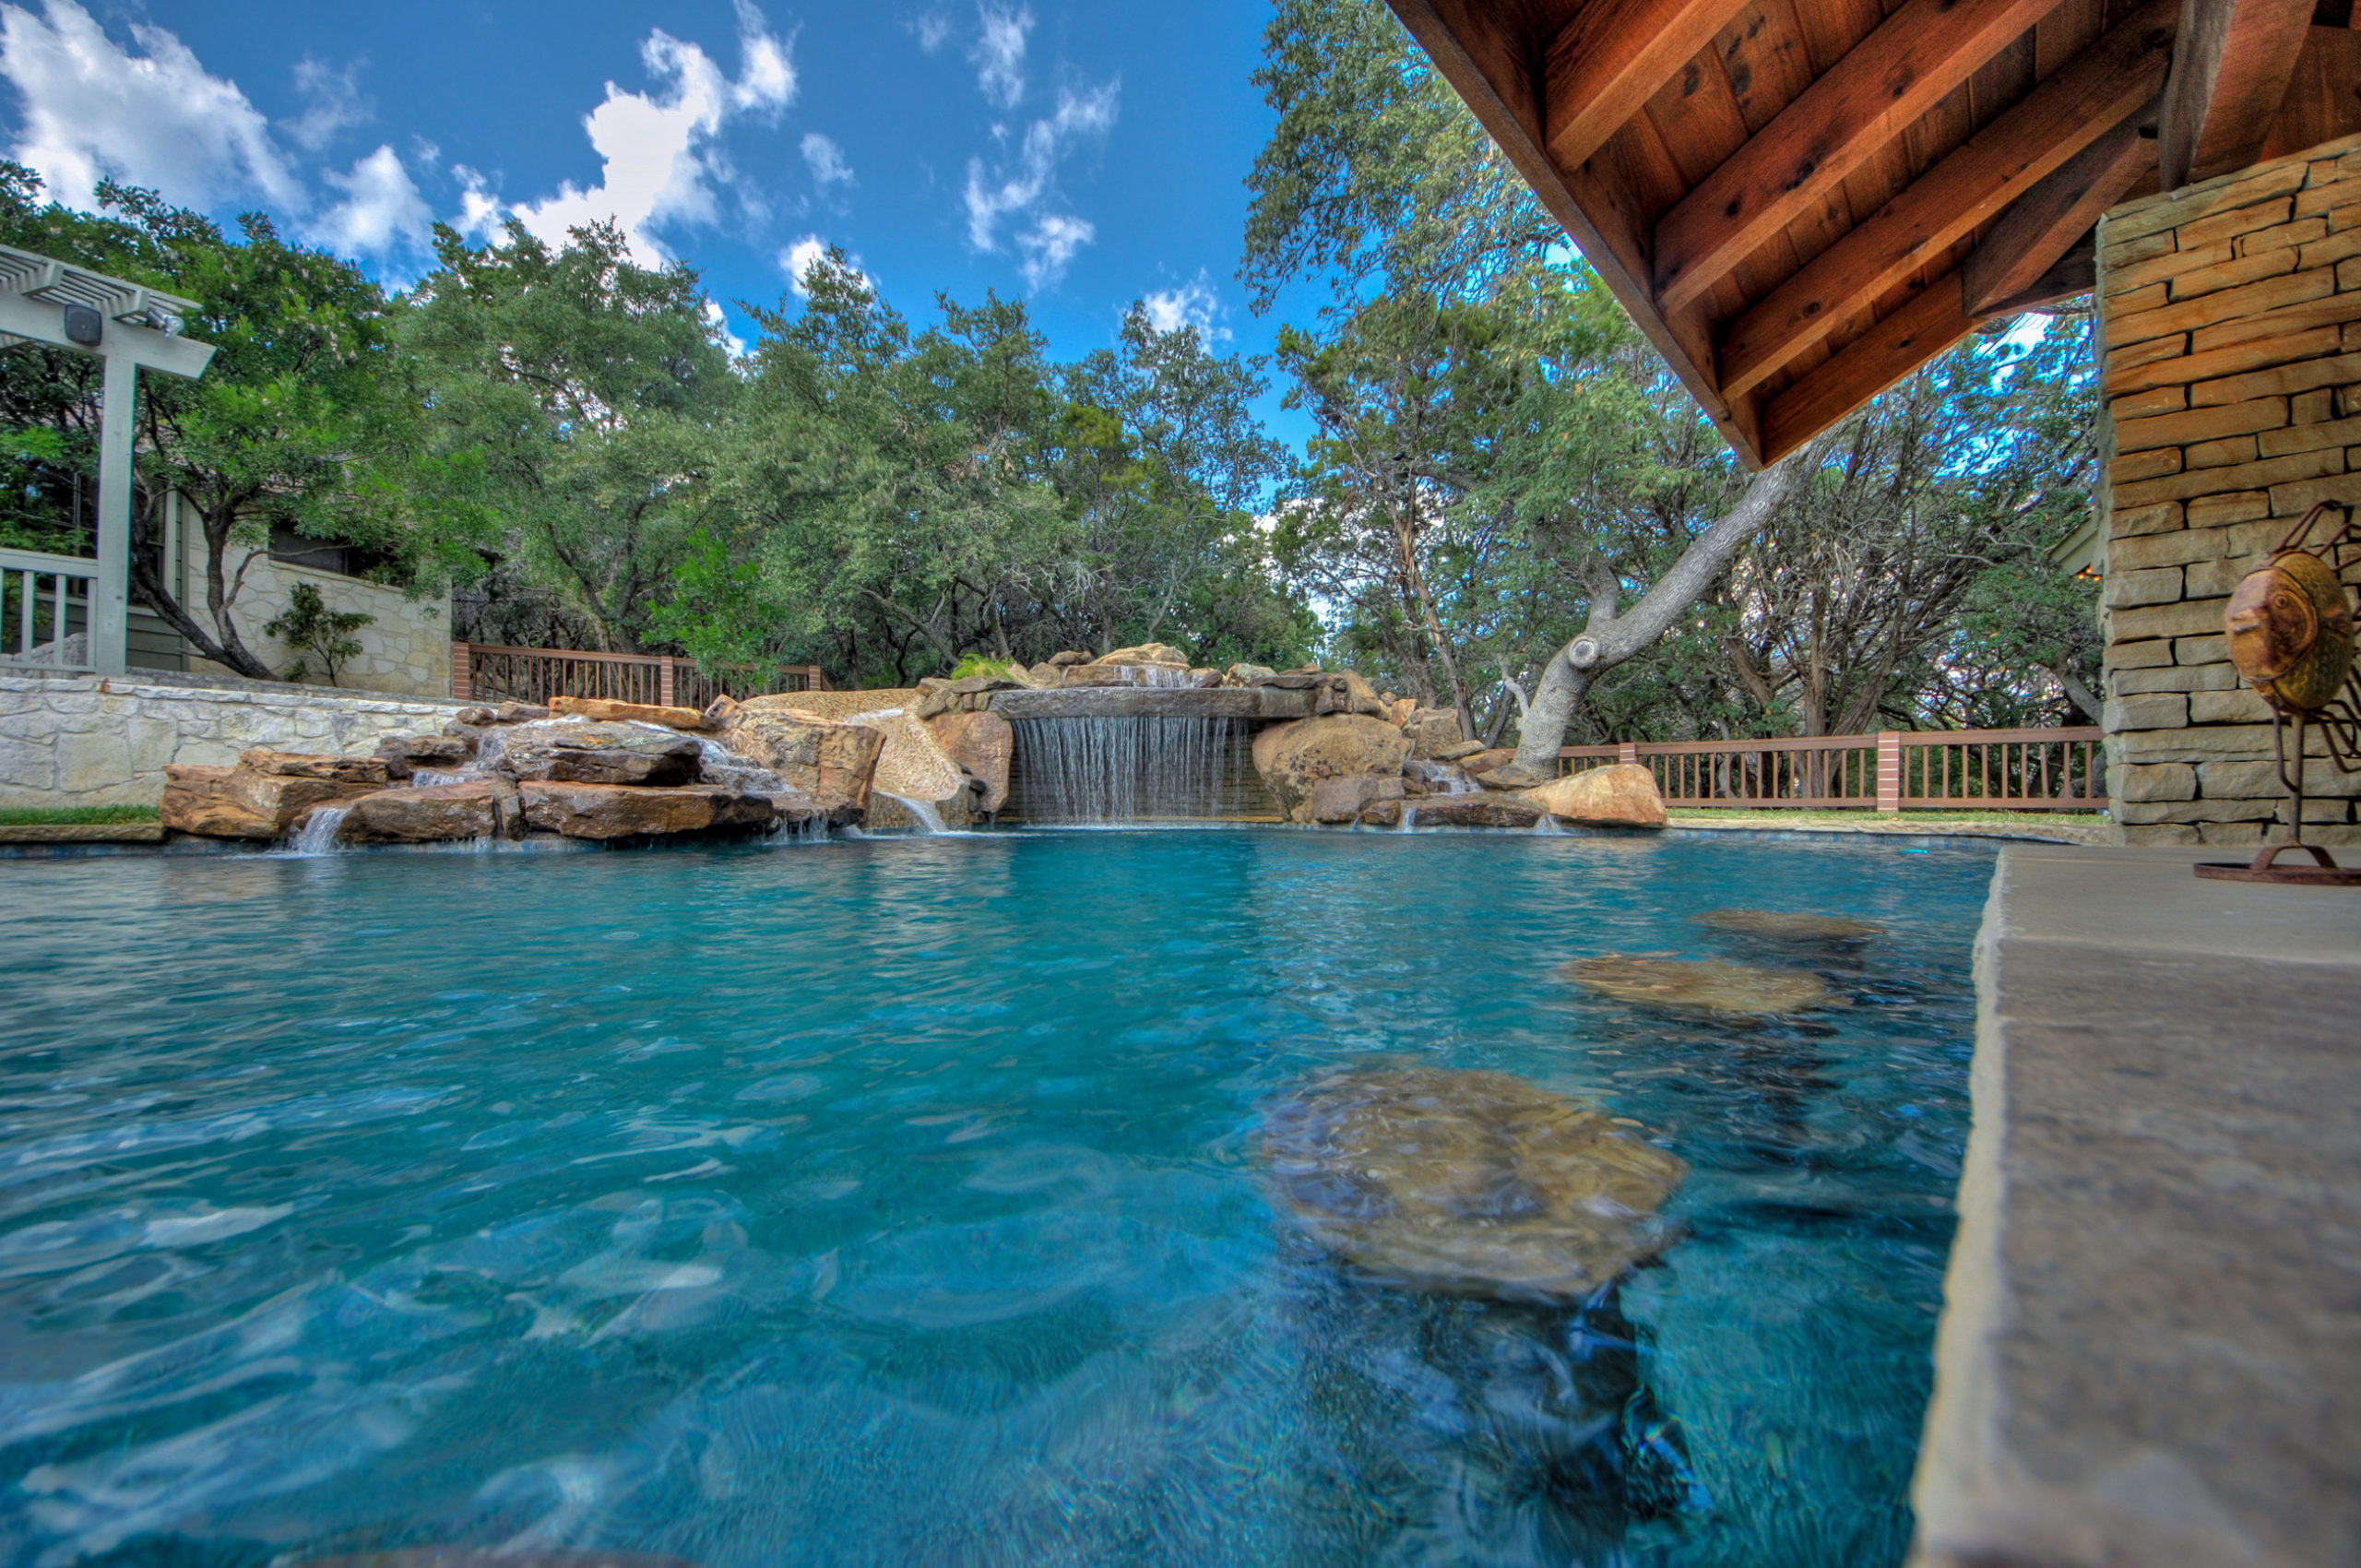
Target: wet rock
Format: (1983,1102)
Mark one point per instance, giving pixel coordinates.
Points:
(820,757)
(628,712)
(1294,757)
(913,766)
(1347,799)
(1783,925)
(199,799)
(519,713)
(305,765)
(1711,986)
(571,751)
(1431,730)
(1483,809)
(1468,1184)
(404,755)
(622,811)
(1384,813)
(488,808)
(474,717)
(1459,751)
(284,801)
(1249,674)
(982,744)
(1622,795)
(1426,777)
(1483,760)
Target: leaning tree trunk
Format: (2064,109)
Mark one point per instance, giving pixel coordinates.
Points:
(1611,638)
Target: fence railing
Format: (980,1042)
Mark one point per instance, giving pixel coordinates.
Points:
(2050,770)
(45,609)
(487,673)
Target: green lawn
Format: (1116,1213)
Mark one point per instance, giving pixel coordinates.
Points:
(48,816)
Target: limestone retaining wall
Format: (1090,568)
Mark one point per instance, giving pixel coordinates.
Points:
(92,741)
(2231,336)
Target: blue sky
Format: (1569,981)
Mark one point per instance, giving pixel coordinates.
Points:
(1080,155)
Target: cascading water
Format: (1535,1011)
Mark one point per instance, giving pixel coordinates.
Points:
(930,821)
(318,835)
(1102,771)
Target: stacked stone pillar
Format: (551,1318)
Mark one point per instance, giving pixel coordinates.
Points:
(2230,331)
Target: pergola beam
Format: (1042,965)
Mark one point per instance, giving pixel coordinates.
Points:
(1606,63)
(2100,89)
(1892,349)
(1892,77)
(2230,72)
(2051,221)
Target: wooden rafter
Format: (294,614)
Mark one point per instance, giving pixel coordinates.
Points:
(2091,94)
(1912,60)
(2229,74)
(1609,60)
(1892,349)
(2013,263)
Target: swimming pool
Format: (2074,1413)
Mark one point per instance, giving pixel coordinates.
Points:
(903,1201)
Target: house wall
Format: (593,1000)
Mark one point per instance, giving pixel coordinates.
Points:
(2230,331)
(93,741)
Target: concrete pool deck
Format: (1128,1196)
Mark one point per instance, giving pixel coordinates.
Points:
(2150,1344)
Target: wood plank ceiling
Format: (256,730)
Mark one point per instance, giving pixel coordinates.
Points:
(1803,201)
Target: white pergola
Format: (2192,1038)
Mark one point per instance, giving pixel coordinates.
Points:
(131,329)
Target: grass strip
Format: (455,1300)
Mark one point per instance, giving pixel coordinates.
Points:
(72,816)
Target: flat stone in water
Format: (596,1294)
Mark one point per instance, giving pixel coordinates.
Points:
(1694,986)
(1468,1184)
(1790,925)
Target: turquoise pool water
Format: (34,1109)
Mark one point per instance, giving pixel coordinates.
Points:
(901,1202)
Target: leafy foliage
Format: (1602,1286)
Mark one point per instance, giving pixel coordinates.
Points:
(308,625)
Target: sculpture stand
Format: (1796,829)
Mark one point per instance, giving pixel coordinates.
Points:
(2264,867)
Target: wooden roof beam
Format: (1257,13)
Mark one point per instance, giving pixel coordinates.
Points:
(2098,90)
(1895,347)
(2014,263)
(2230,71)
(1898,73)
(1607,63)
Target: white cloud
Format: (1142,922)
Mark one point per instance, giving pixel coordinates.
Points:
(719,323)
(332,102)
(381,208)
(1193,305)
(826,161)
(659,163)
(933,30)
(999,54)
(1024,188)
(798,259)
(481,212)
(92,108)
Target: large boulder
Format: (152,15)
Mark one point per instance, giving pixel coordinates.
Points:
(285,801)
(982,744)
(913,766)
(1161,654)
(1484,809)
(1431,729)
(1468,1184)
(486,808)
(818,758)
(200,800)
(617,810)
(405,754)
(629,712)
(1294,757)
(571,751)
(1349,692)
(306,765)
(1349,799)
(1621,795)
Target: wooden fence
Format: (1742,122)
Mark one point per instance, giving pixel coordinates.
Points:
(2047,770)
(484,672)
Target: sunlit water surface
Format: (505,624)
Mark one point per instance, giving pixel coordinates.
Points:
(901,1202)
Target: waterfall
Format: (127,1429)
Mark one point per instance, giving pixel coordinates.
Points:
(929,820)
(1102,771)
(318,835)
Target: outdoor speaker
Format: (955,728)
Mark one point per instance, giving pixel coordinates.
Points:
(84,325)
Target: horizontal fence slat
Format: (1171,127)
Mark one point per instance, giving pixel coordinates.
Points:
(496,673)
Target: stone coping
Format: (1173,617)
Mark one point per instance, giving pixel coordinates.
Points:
(82,833)
(1154,702)
(164,683)
(2152,1316)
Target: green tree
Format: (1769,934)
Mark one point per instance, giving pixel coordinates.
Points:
(309,624)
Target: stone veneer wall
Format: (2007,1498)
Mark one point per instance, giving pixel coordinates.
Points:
(92,741)
(404,651)
(2230,327)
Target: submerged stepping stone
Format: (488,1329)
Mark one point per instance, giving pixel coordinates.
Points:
(1469,1184)
(1712,985)
(1787,925)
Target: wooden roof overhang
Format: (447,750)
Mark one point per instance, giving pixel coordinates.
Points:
(1803,201)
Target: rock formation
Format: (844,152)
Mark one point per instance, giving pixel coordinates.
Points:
(1294,757)
(1484,809)
(486,808)
(982,744)
(1780,925)
(573,752)
(1468,1184)
(632,713)
(1711,986)
(619,810)
(828,761)
(1622,795)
